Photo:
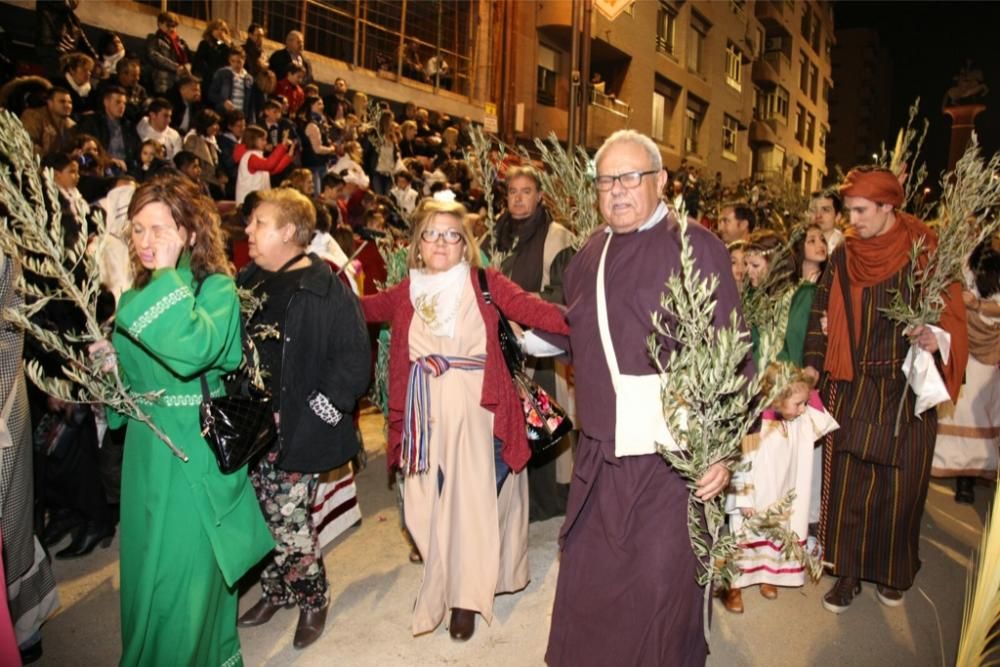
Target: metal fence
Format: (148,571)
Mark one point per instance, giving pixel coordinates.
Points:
(428,41)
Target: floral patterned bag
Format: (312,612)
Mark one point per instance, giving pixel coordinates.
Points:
(546,422)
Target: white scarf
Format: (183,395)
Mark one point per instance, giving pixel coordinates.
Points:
(435,297)
(83,91)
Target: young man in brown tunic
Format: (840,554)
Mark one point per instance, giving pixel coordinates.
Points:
(875,482)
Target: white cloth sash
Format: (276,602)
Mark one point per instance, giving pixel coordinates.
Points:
(639,421)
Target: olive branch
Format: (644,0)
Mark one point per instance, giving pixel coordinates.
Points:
(31,229)
(708,403)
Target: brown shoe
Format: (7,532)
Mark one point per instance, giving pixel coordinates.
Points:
(839,598)
(890,597)
(769,591)
(462,625)
(310,627)
(260,613)
(732,600)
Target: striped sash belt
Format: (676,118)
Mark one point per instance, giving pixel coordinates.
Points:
(416,424)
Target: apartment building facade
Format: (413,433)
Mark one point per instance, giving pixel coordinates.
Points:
(793,84)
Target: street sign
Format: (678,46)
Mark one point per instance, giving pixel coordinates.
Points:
(490,117)
(612,8)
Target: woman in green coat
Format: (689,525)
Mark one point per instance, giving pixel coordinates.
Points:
(188,532)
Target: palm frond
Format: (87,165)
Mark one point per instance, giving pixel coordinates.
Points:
(979,643)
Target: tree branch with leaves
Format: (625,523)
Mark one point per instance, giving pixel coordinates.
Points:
(31,230)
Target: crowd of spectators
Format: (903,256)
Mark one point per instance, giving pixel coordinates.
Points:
(236,119)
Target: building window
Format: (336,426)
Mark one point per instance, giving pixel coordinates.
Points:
(823,132)
(807,177)
(734,66)
(806,26)
(666,29)
(730,133)
(828,50)
(737,6)
(803,72)
(813,82)
(800,123)
(810,133)
(548,71)
(665,96)
(694,116)
(696,43)
(773,104)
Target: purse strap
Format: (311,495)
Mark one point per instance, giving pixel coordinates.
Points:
(512,355)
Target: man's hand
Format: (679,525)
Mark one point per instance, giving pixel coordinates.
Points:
(924,338)
(823,321)
(713,483)
(747,512)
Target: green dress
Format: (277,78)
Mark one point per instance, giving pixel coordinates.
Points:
(188,532)
(798,323)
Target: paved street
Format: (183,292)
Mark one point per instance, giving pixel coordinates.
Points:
(373,587)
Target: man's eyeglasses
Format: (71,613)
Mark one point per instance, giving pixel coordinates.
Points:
(629,180)
(450,236)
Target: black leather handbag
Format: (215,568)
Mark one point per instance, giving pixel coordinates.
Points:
(238,426)
(546,422)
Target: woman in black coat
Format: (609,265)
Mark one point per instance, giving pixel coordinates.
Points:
(314,351)
(213,50)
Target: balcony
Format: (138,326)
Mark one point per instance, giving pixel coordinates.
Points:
(610,103)
(766,72)
(763,132)
(770,13)
(605,115)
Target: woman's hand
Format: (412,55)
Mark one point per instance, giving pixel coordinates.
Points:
(103,352)
(747,512)
(713,483)
(168,247)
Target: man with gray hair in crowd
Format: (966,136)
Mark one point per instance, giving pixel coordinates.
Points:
(628,591)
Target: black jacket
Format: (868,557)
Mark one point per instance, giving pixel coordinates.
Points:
(325,356)
(96,125)
(281,59)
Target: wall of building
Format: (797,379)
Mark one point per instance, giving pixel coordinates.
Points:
(651,65)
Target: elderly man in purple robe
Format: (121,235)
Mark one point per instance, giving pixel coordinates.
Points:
(627,592)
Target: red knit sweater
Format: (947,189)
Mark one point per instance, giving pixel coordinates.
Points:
(498,396)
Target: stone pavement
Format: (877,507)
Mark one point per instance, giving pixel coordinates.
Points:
(372,587)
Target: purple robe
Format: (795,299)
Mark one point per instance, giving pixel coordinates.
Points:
(627,592)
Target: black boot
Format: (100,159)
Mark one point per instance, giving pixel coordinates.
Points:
(86,539)
(60,525)
(965,490)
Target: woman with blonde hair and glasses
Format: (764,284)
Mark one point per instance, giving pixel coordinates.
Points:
(188,532)
(456,427)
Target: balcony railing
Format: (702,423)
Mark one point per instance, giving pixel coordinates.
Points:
(610,103)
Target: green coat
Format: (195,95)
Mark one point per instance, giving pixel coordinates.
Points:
(188,532)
